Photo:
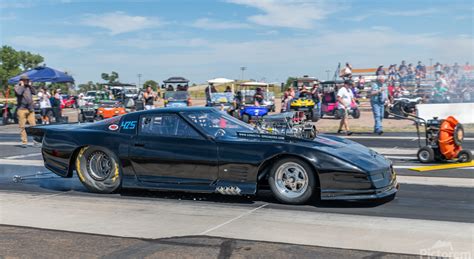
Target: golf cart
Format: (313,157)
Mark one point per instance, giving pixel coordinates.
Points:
(176,94)
(248,109)
(223,101)
(88,112)
(96,96)
(329,105)
(304,100)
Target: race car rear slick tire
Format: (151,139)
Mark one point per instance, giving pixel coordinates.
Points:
(98,169)
(425,155)
(464,156)
(292,181)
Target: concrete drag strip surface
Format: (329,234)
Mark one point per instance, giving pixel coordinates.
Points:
(80,245)
(160,219)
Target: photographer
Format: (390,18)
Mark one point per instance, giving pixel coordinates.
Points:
(24,96)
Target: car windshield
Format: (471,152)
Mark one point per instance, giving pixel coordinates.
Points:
(222,97)
(248,96)
(176,95)
(213,122)
(91,94)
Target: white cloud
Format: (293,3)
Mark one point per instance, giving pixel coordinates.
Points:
(120,22)
(209,24)
(383,12)
(4,4)
(149,43)
(269,33)
(408,13)
(8,17)
(288,13)
(63,42)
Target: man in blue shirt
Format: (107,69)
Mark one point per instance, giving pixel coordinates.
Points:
(378,97)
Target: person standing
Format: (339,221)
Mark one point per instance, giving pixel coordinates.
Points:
(45,104)
(378,97)
(149,98)
(25,111)
(56,105)
(210,89)
(344,100)
(346,72)
(380,71)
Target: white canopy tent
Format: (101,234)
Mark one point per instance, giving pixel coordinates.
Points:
(220,80)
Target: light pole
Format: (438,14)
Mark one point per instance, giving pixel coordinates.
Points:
(139,80)
(327,74)
(242,75)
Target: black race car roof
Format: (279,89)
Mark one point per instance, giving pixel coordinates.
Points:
(178,109)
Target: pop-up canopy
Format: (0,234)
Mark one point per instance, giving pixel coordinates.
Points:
(43,74)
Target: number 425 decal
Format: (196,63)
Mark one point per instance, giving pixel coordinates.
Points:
(128,124)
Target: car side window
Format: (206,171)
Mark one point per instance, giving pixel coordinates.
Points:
(167,125)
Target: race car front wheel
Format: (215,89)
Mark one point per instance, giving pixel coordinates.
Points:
(98,169)
(292,181)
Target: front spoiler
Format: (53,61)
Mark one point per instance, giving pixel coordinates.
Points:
(361,194)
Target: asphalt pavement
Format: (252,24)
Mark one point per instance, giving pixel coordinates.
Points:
(433,216)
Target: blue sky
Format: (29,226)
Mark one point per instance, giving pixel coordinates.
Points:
(204,39)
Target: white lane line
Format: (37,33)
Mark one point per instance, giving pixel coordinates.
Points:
(22,156)
(392,137)
(12,143)
(233,219)
(402,157)
(395,151)
(436,181)
(21,162)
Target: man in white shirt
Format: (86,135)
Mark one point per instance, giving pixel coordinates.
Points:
(344,100)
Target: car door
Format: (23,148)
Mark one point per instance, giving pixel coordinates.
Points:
(167,149)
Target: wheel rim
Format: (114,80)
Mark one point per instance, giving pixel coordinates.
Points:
(291,180)
(99,165)
(424,155)
(463,157)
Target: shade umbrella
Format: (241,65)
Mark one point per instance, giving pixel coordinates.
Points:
(43,74)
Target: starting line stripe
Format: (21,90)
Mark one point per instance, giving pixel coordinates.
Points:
(441,167)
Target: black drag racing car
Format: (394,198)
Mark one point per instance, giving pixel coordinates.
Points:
(200,149)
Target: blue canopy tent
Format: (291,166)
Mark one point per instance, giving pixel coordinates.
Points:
(44,74)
